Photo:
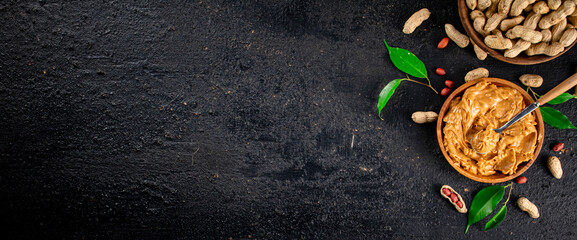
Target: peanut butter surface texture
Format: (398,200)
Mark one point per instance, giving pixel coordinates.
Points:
(471,119)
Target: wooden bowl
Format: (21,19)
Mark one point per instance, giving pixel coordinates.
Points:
(522,59)
(498,177)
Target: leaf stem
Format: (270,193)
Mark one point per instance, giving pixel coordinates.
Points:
(428,85)
(509,196)
(411,80)
(429,80)
(535,95)
(431,86)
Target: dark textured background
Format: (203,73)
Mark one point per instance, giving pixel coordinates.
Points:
(235,119)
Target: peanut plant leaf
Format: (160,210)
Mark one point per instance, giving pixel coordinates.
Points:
(484,203)
(564,97)
(407,62)
(555,118)
(497,219)
(386,94)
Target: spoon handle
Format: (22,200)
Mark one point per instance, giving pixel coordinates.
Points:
(561,88)
(518,117)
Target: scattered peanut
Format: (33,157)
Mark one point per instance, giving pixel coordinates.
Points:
(449,83)
(476,74)
(460,39)
(494,21)
(518,6)
(554,49)
(483,4)
(520,180)
(554,4)
(479,25)
(541,7)
(566,9)
(505,6)
(481,54)
(443,43)
(558,30)
(568,37)
(532,20)
(554,166)
(537,49)
(440,71)
(497,41)
(416,20)
(476,13)
(424,117)
(550,19)
(519,47)
(527,206)
(509,23)
(527,34)
(531,80)
(454,198)
(445,92)
(558,147)
(472,4)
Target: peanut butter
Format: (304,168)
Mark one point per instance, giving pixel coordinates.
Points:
(471,119)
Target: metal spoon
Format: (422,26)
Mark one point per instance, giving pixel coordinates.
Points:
(553,93)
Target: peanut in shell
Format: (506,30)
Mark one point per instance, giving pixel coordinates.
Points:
(554,165)
(531,80)
(462,209)
(527,206)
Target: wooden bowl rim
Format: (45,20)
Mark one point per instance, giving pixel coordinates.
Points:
(499,177)
(476,38)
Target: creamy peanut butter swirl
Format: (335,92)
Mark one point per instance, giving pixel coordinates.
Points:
(471,119)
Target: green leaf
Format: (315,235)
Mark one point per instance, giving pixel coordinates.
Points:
(497,219)
(386,94)
(407,61)
(484,203)
(564,97)
(555,118)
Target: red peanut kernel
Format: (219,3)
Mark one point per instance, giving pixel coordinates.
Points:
(521,180)
(443,43)
(558,147)
(449,83)
(460,204)
(440,71)
(454,198)
(447,192)
(445,91)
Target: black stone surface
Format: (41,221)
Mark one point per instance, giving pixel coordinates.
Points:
(243,119)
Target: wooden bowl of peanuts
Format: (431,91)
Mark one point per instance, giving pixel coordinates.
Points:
(459,163)
(522,32)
